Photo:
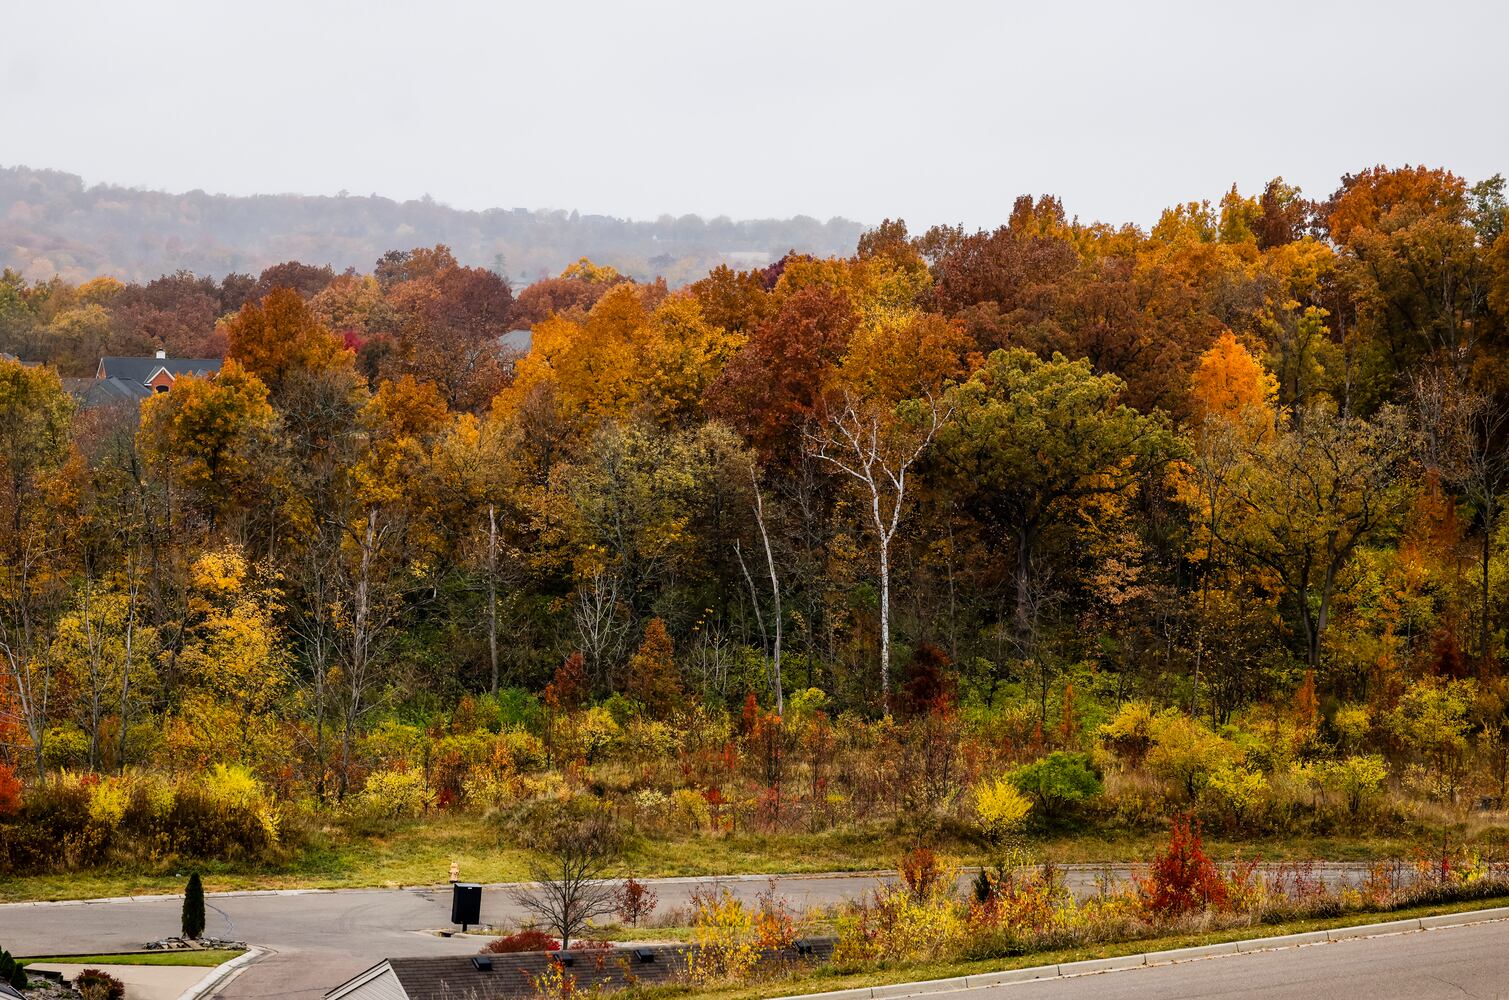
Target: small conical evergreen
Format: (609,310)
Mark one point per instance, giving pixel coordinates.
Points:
(193,908)
(11,971)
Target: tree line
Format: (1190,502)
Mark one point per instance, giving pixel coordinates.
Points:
(1252,455)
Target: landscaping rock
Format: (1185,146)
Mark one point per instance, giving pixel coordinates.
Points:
(199,944)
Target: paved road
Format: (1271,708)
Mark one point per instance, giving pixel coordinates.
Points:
(319,939)
(1446,964)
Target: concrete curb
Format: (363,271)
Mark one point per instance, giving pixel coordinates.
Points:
(220,973)
(1093,966)
(442,887)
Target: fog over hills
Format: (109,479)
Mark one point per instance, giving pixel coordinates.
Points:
(51,222)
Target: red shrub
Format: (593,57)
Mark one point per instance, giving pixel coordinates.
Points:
(633,901)
(521,941)
(1183,879)
(920,871)
(10,791)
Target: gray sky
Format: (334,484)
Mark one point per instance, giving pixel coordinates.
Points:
(933,111)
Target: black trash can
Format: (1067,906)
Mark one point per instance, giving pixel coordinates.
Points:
(466,904)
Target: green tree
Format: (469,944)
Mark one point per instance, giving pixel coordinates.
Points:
(1029,439)
(193,908)
(1300,501)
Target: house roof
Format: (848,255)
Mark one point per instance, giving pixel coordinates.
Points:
(92,392)
(142,369)
(115,390)
(516,341)
(512,976)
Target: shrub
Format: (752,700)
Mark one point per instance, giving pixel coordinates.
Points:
(394,794)
(1001,807)
(894,925)
(193,908)
(691,808)
(1355,778)
(12,971)
(94,984)
(921,872)
(10,791)
(633,901)
(724,938)
(597,732)
(1182,878)
(65,747)
(1185,752)
(526,940)
(1058,781)
(515,708)
(1130,732)
(1235,792)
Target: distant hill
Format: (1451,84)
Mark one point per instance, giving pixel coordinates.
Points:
(51,223)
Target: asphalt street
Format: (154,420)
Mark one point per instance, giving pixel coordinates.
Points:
(317,939)
(1447,964)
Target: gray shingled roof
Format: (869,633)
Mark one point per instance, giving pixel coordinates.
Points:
(142,369)
(452,977)
(107,391)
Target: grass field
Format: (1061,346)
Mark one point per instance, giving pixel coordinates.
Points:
(193,959)
(420,852)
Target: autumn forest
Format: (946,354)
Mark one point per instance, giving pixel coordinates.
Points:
(1198,520)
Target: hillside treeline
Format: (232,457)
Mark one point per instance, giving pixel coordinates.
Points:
(51,223)
(1248,465)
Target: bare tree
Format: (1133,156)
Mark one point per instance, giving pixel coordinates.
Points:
(569,885)
(775,593)
(600,627)
(367,608)
(867,443)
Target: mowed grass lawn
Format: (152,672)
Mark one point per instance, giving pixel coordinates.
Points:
(193,959)
(420,852)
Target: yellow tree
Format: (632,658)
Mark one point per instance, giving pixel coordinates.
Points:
(211,437)
(36,418)
(106,654)
(235,649)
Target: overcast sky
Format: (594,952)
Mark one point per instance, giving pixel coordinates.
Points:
(933,111)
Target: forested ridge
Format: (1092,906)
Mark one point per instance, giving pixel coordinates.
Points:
(52,223)
(1198,519)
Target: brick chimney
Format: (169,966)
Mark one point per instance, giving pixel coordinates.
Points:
(161,353)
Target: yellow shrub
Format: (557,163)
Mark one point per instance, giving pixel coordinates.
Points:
(108,801)
(395,794)
(897,926)
(1351,723)
(725,941)
(1002,808)
(1236,791)
(691,809)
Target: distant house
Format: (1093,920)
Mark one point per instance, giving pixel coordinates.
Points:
(515,343)
(157,373)
(93,392)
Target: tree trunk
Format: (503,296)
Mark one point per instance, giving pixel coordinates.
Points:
(492,594)
(885,624)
